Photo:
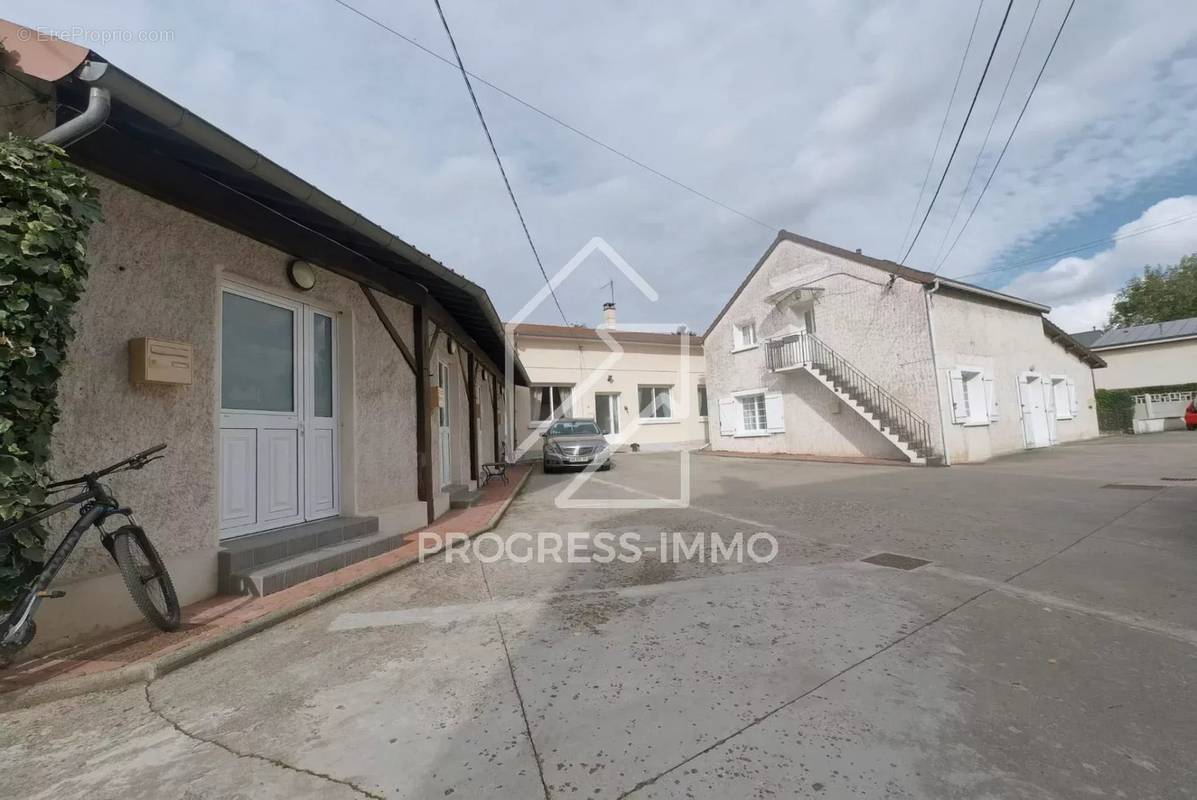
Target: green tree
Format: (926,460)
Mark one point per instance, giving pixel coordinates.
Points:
(1160,294)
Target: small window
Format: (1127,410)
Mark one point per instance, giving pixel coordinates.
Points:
(1063,394)
(702,400)
(550,402)
(744,335)
(808,320)
(655,402)
(973,402)
(752,413)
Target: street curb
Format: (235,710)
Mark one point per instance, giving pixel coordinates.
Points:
(147,671)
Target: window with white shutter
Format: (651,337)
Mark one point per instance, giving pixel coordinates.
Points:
(727,416)
(971,393)
(1061,398)
(775,413)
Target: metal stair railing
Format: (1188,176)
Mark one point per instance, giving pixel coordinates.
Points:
(807,350)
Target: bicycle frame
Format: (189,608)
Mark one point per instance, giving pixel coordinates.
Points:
(103,505)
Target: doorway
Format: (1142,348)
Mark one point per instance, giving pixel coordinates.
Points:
(279,448)
(443,380)
(1034,396)
(606,413)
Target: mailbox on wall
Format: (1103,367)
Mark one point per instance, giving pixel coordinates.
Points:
(159,361)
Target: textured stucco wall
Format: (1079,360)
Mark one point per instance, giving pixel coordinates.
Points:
(1003,342)
(570,362)
(878,326)
(1165,364)
(157,271)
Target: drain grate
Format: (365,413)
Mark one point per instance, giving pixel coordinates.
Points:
(896,561)
(1143,486)
(1178,479)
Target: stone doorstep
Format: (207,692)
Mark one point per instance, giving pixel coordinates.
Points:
(240,556)
(279,575)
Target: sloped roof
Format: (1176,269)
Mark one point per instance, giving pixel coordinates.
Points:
(590,334)
(1087,338)
(1069,343)
(885,265)
(1147,334)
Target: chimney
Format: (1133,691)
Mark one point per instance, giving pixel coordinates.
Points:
(609,314)
(858,252)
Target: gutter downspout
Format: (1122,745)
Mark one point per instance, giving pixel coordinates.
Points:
(943,434)
(99,103)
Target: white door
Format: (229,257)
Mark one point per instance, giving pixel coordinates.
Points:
(443,381)
(319,431)
(269,395)
(606,413)
(1034,410)
(1049,408)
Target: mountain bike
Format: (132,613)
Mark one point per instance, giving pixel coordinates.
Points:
(140,565)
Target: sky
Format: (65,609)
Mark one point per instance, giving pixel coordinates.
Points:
(818,117)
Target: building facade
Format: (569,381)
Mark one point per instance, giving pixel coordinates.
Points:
(1157,355)
(321,399)
(823,351)
(648,392)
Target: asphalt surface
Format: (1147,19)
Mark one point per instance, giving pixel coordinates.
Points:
(1047,650)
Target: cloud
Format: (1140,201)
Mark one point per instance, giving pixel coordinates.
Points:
(1080,290)
(819,119)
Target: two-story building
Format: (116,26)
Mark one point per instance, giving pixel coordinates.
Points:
(828,352)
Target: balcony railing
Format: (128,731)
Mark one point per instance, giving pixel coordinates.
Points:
(807,350)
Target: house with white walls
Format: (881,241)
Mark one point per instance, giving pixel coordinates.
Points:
(1156,355)
(644,389)
(828,352)
(327,385)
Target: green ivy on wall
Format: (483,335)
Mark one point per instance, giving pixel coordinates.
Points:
(47,206)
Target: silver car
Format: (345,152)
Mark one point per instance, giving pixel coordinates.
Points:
(575,443)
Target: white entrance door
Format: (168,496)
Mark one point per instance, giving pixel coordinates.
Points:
(606,413)
(1032,398)
(277,382)
(443,381)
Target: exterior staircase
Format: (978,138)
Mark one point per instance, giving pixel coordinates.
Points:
(906,430)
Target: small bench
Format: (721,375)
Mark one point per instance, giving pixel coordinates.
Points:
(496,469)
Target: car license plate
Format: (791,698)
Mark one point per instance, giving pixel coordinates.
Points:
(578,459)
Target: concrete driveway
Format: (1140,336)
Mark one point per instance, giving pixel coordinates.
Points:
(1048,650)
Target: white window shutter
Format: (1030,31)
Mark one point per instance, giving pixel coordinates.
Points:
(727,416)
(1073,405)
(959,407)
(775,413)
(991,399)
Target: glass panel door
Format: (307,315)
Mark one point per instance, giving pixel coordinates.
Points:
(257,355)
(321,469)
(606,412)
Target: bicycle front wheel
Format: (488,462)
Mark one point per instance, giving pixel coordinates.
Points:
(146,577)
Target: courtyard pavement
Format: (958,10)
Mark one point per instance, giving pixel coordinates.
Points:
(1047,650)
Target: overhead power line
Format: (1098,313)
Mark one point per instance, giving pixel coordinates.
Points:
(490,139)
(558,121)
(960,136)
(1006,146)
(942,126)
(1082,247)
(988,131)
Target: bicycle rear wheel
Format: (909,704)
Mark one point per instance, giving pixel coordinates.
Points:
(146,577)
(8,652)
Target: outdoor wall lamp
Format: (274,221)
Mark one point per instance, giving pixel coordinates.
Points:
(301,274)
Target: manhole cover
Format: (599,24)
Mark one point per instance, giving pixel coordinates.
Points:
(896,561)
(1178,479)
(1144,486)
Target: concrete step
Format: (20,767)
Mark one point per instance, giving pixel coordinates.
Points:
(463,498)
(284,574)
(238,557)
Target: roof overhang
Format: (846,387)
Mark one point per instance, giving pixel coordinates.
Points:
(1146,342)
(161,149)
(1060,337)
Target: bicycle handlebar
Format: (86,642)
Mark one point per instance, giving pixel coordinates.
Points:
(135,461)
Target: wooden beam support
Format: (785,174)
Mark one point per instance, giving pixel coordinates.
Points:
(494,409)
(423,422)
(390,327)
(472,389)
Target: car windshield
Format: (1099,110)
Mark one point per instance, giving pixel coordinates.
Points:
(573,428)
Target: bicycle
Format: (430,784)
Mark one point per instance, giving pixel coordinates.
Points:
(137,559)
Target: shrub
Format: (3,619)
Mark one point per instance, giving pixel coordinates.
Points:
(1115,409)
(47,206)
